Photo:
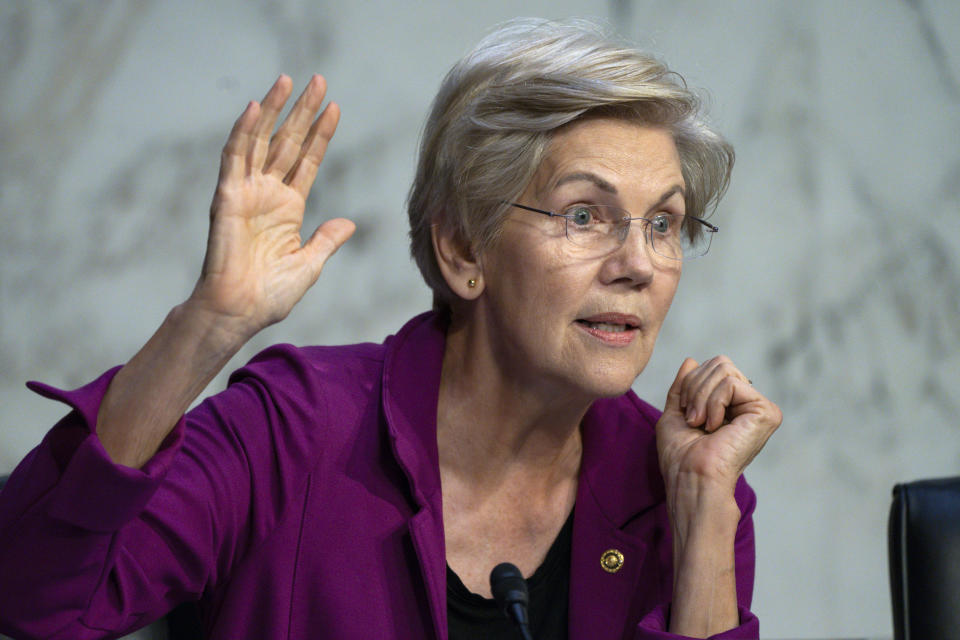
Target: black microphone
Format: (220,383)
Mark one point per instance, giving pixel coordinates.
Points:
(510,591)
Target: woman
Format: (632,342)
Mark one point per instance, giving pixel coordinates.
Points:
(367,491)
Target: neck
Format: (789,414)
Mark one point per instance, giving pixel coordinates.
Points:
(494,423)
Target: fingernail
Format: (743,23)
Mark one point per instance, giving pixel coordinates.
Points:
(691,413)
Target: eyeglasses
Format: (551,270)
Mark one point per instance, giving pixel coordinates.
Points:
(602,229)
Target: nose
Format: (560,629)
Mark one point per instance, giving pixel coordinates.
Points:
(632,263)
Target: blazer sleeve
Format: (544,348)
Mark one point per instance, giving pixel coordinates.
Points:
(92,549)
(654,625)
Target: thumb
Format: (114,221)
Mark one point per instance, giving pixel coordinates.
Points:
(325,241)
(673,395)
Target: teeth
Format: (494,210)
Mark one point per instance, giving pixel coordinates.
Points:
(603,326)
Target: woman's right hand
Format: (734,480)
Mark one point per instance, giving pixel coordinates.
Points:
(256,269)
(256,266)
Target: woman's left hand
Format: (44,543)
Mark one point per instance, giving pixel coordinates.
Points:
(714,423)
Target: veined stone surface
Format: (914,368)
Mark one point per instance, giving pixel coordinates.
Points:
(834,282)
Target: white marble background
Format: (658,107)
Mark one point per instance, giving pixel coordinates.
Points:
(835,281)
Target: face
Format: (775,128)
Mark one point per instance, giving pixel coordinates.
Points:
(573,322)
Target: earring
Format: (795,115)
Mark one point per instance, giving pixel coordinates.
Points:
(471,283)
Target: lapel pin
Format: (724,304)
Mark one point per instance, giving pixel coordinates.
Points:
(611,560)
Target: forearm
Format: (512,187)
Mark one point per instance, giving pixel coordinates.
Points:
(704,521)
(152,391)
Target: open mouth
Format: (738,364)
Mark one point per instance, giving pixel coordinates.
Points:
(608,327)
(612,329)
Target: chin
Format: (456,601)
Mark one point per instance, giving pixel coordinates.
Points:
(607,380)
(612,391)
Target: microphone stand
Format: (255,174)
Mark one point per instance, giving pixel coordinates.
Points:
(510,592)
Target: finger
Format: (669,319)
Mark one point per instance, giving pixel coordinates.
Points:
(708,378)
(285,147)
(304,172)
(700,382)
(325,241)
(717,402)
(693,382)
(271,106)
(233,158)
(673,394)
(758,420)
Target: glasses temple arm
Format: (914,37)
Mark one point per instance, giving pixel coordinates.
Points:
(535,210)
(713,228)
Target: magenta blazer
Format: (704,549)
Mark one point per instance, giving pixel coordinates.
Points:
(304,502)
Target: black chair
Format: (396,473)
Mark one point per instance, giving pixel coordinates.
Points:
(924,548)
(183,623)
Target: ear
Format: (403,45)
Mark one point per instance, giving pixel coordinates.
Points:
(460,268)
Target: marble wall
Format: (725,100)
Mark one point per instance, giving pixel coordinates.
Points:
(835,280)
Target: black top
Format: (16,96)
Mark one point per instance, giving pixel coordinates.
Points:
(473,617)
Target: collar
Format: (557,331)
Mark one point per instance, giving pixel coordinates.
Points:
(411,388)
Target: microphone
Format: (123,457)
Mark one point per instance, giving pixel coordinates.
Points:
(510,591)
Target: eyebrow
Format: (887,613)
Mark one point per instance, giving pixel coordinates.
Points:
(669,193)
(588,177)
(609,188)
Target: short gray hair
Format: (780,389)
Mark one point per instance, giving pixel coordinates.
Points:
(493,118)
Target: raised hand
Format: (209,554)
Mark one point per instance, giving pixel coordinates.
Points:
(256,269)
(257,266)
(713,425)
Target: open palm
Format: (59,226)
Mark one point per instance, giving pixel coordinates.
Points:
(257,266)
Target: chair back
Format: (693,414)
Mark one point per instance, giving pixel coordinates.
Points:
(924,549)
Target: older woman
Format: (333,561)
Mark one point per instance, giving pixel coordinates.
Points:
(367,491)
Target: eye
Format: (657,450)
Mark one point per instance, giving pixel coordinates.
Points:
(664,224)
(580,215)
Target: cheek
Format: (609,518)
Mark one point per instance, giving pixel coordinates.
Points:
(559,289)
(663,295)
(533,273)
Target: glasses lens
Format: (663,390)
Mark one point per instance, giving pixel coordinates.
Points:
(678,237)
(596,227)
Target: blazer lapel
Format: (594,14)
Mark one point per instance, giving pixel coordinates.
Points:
(600,599)
(411,384)
(426,531)
(619,481)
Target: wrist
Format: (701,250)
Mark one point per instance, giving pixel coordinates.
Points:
(696,504)
(211,330)
(150,393)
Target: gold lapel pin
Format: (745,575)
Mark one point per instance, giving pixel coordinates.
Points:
(611,560)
